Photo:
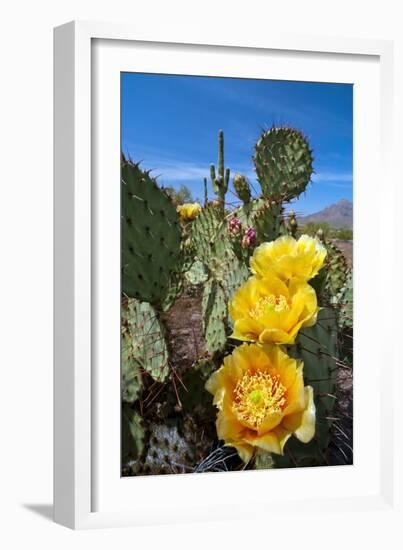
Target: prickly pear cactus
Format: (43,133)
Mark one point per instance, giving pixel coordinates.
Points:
(173,447)
(204,262)
(246,212)
(197,274)
(144,342)
(173,291)
(215,311)
(236,274)
(317,347)
(151,236)
(336,271)
(210,239)
(193,397)
(283,162)
(268,222)
(133,434)
(131,371)
(345,303)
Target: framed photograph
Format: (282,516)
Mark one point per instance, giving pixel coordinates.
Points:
(219,242)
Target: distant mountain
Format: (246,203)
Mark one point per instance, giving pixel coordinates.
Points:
(339,214)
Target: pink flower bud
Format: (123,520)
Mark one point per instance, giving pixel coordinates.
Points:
(234,226)
(249,238)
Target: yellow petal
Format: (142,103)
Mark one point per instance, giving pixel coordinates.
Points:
(245,451)
(283,436)
(306,430)
(267,442)
(228,427)
(247,330)
(296,400)
(275,336)
(270,422)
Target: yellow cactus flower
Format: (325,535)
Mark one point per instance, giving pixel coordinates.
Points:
(261,399)
(289,258)
(267,310)
(188,211)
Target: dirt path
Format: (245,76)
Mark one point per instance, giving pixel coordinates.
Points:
(185,332)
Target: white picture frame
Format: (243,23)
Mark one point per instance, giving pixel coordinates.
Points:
(88,490)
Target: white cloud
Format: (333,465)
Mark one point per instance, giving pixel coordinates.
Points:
(334,177)
(180,171)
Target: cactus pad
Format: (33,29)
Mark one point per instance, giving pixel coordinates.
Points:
(345,303)
(336,271)
(317,347)
(283,162)
(144,342)
(132,433)
(174,447)
(151,236)
(215,313)
(197,274)
(210,239)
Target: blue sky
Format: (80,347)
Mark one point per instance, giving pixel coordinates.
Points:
(171,124)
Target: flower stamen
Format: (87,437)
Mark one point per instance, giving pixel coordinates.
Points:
(258,395)
(267,304)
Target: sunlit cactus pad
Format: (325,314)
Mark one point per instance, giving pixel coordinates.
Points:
(151,236)
(283,162)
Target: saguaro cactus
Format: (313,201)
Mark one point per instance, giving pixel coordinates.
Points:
(205,191)
(220,179)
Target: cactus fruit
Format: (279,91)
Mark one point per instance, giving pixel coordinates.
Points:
(242,188)
(144,333)
(249,238)
(151,236)
(292,223)
(220,180)
(283,163)
(214,309)
(234,226)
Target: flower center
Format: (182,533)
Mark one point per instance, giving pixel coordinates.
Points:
(267,304)
(257,395)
